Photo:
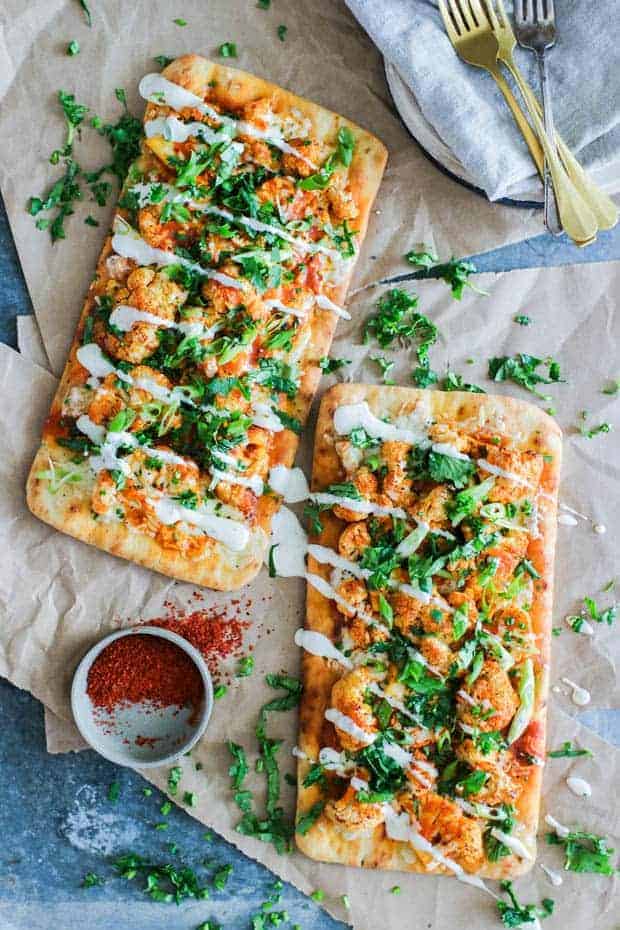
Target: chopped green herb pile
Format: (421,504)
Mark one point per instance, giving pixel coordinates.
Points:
(162,882)
(272,826)
(584,852)
(514,914)
(282,30)
(124,137)
(455,273)
(591,432)
(454,382)
(522,369)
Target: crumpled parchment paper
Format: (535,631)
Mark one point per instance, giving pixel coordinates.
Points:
(75,594)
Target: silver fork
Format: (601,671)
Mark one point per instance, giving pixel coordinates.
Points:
(535,30)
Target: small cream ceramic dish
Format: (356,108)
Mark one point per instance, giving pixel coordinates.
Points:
(139,735)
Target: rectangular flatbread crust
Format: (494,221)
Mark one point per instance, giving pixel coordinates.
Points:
(505,591)
(307,172)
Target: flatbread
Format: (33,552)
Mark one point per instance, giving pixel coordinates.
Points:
(62,488)
(343,831)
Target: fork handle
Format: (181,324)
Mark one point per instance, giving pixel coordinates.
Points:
(576,216)
(527,132)
(552,220)
(602,205)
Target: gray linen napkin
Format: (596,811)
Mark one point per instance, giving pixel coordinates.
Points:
(467,110)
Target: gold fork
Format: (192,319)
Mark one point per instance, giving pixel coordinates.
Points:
(475,42)
(484,49)
(603,207)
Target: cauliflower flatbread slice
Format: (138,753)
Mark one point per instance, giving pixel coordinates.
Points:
(197,353)
(422,748)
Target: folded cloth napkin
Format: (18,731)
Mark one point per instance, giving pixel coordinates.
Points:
(465,107)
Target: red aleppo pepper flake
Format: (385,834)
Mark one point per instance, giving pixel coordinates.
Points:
(144,669)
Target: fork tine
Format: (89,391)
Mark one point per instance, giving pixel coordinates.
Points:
(491,14)
(550,10)
(478,12)
(501,12)
(540,11)
(459,22)
(448,22)
(465,12)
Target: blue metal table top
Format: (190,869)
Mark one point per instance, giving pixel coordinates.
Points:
(55,819)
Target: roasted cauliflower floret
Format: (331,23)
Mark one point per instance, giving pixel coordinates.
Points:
(431,508)
(106,401)
(353,540)
(362,634)
(491,690)
(437,653)
(348,697)
(355,593)
(341,203)
(443,823)
(352,815)
(406,611)
(221,297)
(303,167)
(367,485)
(397,483)
(500,787)
(526,466)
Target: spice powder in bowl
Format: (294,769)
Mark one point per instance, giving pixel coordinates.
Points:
(142,696)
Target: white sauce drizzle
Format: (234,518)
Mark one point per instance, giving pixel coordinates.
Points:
(291,483)
(125,317)
(230,533)
(348,417)
(358,784)
(175,130)
(585,628)
(579,695)
(579,786)
(513,843)
(502,473)
(559,828)
(357,506)
(554,877)
(265,417)
(93,360)
(326,304)
(565,519)
(344,723)
(127,243)
(319,645)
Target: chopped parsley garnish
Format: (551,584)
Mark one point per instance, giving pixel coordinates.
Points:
(91,880)
(180,22)
(114,791)
(307,820)
(272,826)
(320,179)
(163,60)
(454,382)
(219,692)
(288,421)
(522,370)
(397,319)
(568,751)
(165,882)
(424,464)
(272,564)
(523,320)
(346,145)
(514,914)
(494,848)
(455,273)
(245,667)
(174,779)
(263,4)
(591,432)
(584,852)
(329,365)
(73,48)
(613,388)
(385,366)
(282,30)
(87,15)
(228,50)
